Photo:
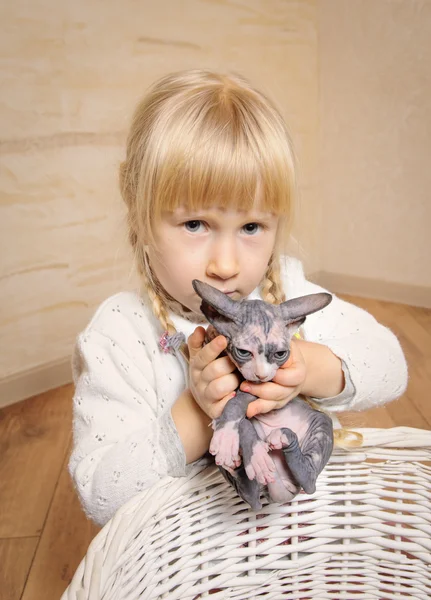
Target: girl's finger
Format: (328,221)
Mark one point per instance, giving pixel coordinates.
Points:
(219,388)
(289,377)
(195,341)
(267,391)
(260,407)
(209,352)
(218,368)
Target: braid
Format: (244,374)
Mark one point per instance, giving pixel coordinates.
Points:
(155,293)
(159,307)
(271,287)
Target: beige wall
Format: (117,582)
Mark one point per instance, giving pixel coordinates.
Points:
(350,76)
(71,75)
(375,152)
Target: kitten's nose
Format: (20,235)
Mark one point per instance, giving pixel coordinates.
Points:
(263,377)
(262,370)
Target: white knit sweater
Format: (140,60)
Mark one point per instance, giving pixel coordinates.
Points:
(124,435)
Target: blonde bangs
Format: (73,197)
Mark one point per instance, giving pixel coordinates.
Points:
(222,169)
(222,145)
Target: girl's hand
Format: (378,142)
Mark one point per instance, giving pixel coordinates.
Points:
(286,385)
(213,380)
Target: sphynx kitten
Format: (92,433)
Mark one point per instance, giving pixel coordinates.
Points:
(282,451)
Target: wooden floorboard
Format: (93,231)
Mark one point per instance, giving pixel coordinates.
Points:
(34,438)
(63,543)
(43,531)
(16,556)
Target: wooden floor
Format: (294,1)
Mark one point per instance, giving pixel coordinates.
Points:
(44,534)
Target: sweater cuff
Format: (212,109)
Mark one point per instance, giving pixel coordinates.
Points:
(343,397)
(171,446)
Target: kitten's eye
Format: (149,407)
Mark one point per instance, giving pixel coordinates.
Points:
(193,226)
(252,228)
(242,353)
(281,355)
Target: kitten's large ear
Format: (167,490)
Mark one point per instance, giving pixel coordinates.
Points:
(295,310)
(215,304)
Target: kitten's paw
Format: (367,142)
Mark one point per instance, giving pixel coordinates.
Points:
(277,440)
(261,466)
(225,446)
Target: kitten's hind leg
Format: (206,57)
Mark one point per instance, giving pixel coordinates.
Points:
(225,442)
(257,462)
(306,463)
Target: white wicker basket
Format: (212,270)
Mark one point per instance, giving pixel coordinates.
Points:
(364,534)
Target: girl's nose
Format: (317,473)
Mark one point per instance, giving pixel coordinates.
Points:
(223,262)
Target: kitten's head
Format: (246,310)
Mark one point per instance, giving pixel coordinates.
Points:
(258,334)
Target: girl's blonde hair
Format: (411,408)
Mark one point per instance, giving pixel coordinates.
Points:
(197,139)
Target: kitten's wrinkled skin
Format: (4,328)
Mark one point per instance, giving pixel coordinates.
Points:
(282,451)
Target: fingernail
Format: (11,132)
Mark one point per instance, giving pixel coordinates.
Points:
(245,388)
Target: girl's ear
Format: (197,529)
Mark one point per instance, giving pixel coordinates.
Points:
(215,305)
(295,310)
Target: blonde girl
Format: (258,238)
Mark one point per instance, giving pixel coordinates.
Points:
(209,185)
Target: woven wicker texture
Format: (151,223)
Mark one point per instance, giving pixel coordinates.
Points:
(364,534)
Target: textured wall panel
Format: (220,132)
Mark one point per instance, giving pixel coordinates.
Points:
(71,74)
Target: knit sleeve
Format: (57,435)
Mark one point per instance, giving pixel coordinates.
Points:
(122,444)
(373,361)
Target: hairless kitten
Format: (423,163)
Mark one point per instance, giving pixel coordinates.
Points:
(282,451)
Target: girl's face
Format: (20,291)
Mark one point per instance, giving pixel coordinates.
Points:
(226,248)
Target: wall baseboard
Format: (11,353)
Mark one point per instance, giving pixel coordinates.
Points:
(376,289)
(35,381)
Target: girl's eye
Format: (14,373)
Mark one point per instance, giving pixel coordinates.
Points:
(281,355)
(193,226)
(242,353)
(252,228)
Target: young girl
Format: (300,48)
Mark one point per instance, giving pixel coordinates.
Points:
(209,184)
